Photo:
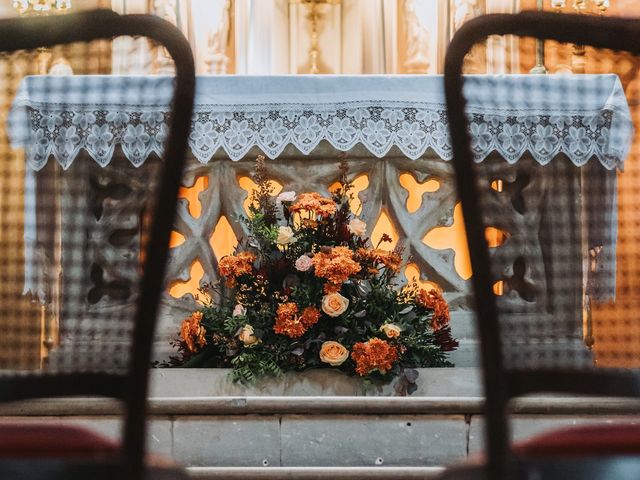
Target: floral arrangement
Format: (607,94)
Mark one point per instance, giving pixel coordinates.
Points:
(306,289)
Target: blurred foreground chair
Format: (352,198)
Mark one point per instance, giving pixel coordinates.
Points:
(520,354)
(50,217)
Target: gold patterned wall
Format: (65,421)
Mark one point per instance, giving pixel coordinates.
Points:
(22,340)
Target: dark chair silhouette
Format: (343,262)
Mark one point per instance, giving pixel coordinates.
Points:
(94,308)
(519,326)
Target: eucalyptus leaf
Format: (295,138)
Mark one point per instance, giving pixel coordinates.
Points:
(363,288)
(298,351)
(360,314)
(400,386)
(340,330)
(411,375)
(409,317)
(406,310)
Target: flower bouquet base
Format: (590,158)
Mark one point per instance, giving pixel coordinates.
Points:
(307,290)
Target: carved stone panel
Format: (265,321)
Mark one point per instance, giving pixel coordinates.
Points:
(102,221)
(414,201)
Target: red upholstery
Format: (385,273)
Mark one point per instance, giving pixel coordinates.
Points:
(37,440)
(604,439)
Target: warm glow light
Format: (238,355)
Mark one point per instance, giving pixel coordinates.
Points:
(416,190)
(180,288)
(360,183)
(192,195)
(455,238)
(412,274)
(495,237)
(223,241)
(384,225)
(176,239)
(248,185)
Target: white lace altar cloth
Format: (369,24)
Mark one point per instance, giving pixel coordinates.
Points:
(582,116)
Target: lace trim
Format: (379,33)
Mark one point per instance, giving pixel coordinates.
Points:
(605,134)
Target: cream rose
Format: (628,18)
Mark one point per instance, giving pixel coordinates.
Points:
(285,236)
(391,330)
(334,304)
(303,263)
(239,310)
(357,227)
(286,197)
(246,336)
(333,353)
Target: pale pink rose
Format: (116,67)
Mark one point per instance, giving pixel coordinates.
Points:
(286,197)
(239,310)
(303,263)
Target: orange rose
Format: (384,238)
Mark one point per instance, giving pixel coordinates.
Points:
(391,330)
(334,304)
(333,353)
(247,337)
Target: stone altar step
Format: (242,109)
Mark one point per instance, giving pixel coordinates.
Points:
(301,425)
(304,473)
(307,435)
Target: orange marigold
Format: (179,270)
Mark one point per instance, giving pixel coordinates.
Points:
(336,266)
(192,332)
(288,322)
(376,354)
(434,300)
(310,316)
(314,202)
(233,266)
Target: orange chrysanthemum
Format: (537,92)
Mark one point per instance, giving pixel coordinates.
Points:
(192,332)
(436,302)
(310,316)
(374,257)
(289,323)
(315,203)
(233,266)
(336,266)
(376,354)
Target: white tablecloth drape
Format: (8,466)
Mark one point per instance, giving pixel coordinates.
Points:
(581,116)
